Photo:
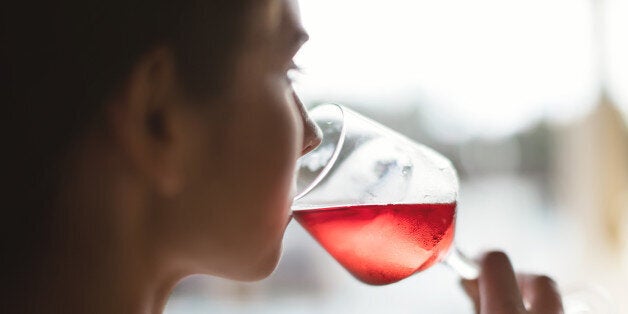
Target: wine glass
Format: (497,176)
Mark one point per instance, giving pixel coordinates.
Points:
(384,206)
(381,204)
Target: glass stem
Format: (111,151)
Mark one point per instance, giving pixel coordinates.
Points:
(465,267)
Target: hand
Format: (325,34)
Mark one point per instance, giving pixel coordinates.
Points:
(499,291)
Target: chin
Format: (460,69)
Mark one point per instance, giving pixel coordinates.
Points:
(257,269)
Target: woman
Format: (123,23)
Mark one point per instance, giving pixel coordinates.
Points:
(151,140)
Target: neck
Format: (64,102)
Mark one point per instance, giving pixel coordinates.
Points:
(111,285)
(101,259)
(96,283)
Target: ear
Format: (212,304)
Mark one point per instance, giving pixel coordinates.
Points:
(146,121)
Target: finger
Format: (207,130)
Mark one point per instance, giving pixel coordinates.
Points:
(541,293)
(470,287)
(499,292)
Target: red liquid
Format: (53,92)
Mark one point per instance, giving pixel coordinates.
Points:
(382,244)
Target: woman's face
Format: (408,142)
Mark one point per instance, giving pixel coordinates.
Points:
(230,218)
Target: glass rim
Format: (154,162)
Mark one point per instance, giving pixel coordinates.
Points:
(337,148)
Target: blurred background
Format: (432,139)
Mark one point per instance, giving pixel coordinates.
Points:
(529,99)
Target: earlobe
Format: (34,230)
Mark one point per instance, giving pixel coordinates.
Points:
(144,123)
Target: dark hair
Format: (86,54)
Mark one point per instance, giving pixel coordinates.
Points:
(61,60)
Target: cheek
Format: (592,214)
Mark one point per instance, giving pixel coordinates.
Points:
(259,152)
(269,140)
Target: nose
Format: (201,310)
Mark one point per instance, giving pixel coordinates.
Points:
(312,134)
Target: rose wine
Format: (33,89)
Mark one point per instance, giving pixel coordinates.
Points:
(382,244)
